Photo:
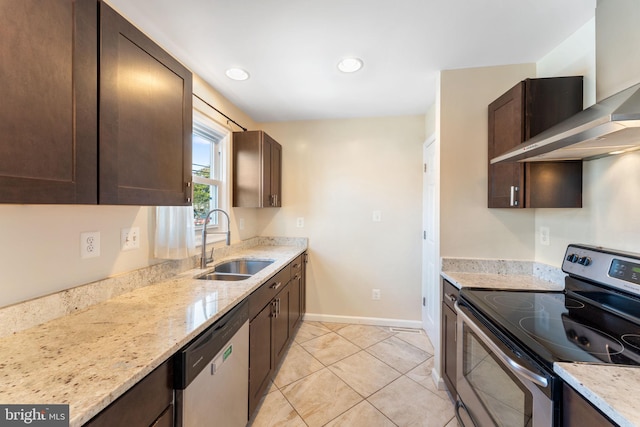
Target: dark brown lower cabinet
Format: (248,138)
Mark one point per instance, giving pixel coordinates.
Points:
(148,403)
(261,365)
(578,412)
(448,336)
(273,322)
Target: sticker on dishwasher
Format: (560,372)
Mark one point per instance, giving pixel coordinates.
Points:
(227,353)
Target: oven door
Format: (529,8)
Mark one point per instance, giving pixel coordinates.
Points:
(495,386)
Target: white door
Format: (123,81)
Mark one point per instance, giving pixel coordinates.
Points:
(430,242)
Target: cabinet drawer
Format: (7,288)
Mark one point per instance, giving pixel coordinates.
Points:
(449,294)
(296,267)
(143,403)
(265,293)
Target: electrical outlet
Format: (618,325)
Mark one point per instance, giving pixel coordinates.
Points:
(130,238)
(241,223)
(375,294)
(377,216)
(90,244)
(544,236)
(300,222)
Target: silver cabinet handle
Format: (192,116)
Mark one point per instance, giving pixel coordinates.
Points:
(451,297)
(276,285)
(516,368)
(512,199)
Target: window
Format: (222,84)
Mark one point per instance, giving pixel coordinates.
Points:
(209,173)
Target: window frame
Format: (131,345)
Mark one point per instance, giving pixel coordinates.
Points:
(219,164)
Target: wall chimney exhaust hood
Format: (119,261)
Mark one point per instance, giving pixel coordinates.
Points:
(611,126)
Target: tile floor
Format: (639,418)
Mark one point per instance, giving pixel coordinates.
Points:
(355,375)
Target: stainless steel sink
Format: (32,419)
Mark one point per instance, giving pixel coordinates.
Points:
(239,269)
(224,276)
(242,266)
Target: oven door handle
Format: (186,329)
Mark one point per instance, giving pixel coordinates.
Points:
(515,366)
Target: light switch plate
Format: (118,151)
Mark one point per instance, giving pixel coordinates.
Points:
(90,244)
(544,236)
(377,216)
(130,238)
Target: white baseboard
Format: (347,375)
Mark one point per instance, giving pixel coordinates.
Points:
(437,380)
(375,321)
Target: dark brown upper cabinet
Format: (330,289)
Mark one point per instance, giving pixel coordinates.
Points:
(49,107)
(524,111)
(257,170)
(92,110)
(145,119)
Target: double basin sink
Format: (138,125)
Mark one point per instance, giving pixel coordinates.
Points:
(235,270)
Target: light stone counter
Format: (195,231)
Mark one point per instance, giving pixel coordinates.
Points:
(500,281)
(89,358)
(612,389)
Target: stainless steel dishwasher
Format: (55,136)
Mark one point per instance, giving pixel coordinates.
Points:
(212,374)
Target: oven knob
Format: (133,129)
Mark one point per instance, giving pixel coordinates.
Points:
(572,258)
(584,341)
(584,260)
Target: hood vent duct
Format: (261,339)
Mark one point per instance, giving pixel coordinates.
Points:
(611,126)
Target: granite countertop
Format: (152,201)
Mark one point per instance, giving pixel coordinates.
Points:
(89,358)
(499,281)
(610,388)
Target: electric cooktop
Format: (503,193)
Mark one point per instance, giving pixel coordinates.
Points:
(596,319)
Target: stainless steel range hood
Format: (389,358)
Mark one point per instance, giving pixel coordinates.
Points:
(608,127)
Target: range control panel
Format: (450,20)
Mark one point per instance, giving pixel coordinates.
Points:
(625,270)
(606,266)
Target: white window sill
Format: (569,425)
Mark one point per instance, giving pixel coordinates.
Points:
(211,238)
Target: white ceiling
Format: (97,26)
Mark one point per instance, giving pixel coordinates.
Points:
(291,47)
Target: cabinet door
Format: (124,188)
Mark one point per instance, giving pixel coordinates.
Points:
(265,179)
(448,335)
(275,175)
(294,301)
(261,364)
(449,358)
(281,332)
(506,130)
(48,112)
(577,412)
(145,119)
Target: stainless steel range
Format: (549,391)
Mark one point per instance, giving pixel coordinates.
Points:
(508,340)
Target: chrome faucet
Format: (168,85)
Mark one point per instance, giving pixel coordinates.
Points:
(203,257)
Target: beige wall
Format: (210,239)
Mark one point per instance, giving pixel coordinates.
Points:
(335,174)
(467,227)
(617,45)
(610,185)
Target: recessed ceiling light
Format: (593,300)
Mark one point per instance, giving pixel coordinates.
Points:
(237,74)
(350,65)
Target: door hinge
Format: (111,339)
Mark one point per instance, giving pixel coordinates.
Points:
(425,168)
(424,235)
(424,301)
